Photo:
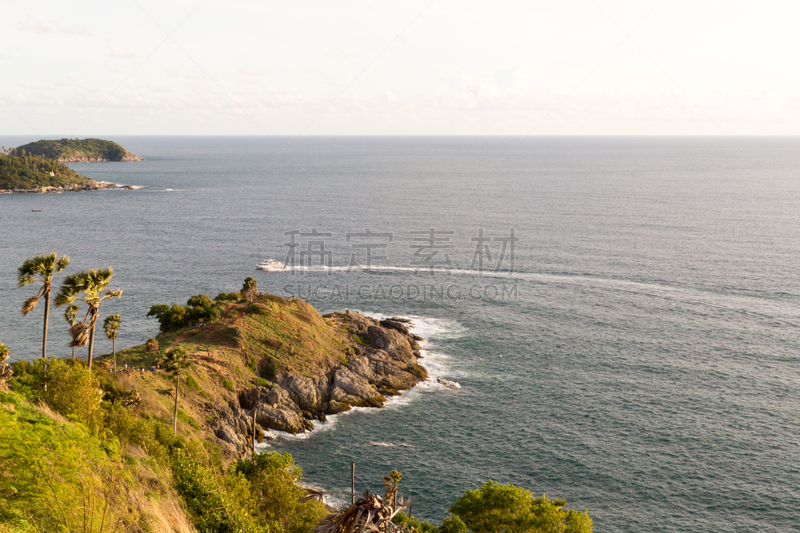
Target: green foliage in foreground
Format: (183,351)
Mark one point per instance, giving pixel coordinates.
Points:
(71,148)
(31,172)
(101,467)
(495,507)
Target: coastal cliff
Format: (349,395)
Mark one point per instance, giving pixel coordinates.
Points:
(273,358)
(383,366)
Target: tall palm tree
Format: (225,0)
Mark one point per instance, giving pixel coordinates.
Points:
(111,326)
(89,286)
(71,316)
(41,268)
(176,362)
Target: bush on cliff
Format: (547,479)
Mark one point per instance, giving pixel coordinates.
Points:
(199,309)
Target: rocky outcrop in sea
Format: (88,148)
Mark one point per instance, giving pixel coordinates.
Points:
(383,364)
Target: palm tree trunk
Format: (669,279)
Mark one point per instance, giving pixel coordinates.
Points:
(73,353)
(46,318)
(114,347)
(91,346)
(175,423)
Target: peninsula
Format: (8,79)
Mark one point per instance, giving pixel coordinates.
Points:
(274,360)
(76,150)
(37,174)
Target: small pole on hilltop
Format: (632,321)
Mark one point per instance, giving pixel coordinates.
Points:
(255,407)
(352,483)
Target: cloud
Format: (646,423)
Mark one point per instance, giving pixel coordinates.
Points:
(35,25)
(77,30)
(121,53)
(188,75)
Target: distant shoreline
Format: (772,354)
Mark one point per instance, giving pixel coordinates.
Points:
(93,186)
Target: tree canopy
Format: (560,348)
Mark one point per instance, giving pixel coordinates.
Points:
(74,148)
(496,508)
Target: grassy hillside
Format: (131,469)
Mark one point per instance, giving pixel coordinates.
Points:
(72,149)
(82,454)
(241,346)
(30,172)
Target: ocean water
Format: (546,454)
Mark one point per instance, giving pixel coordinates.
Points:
(639,356)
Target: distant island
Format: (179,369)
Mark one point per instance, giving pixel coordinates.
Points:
(36,173)
(76,150)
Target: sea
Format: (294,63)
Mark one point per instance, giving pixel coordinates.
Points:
(620,314)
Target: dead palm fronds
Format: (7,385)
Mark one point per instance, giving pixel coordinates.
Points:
(369,513)
(5,369)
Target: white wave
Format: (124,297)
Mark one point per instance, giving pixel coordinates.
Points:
(388,444)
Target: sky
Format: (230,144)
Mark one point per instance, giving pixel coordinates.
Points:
(411,67)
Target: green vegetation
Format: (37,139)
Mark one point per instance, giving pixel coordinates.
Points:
(31,172)
(100,466)
(71,149)
(199,310)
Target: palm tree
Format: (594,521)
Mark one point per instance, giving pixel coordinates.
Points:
(89,286)
(111,326)
(176,361)
(41,268)
(71,315)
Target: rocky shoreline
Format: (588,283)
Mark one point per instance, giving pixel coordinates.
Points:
(74,187)
(383,364)
(84,159)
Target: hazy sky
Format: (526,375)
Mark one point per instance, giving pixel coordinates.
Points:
(416,67)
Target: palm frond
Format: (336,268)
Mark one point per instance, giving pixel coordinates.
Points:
(80,335)
(71,313)
(5,372)
(111,325)
(29,305)
(43,267)
(177,360)
(313,494)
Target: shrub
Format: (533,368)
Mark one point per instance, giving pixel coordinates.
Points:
(494,507)
(151,346)
(275,494)
(74,392)
(228,384)
(214,503)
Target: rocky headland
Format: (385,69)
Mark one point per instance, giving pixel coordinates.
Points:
(383,366)
(274,362)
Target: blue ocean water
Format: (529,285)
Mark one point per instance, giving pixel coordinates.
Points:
(639,358)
